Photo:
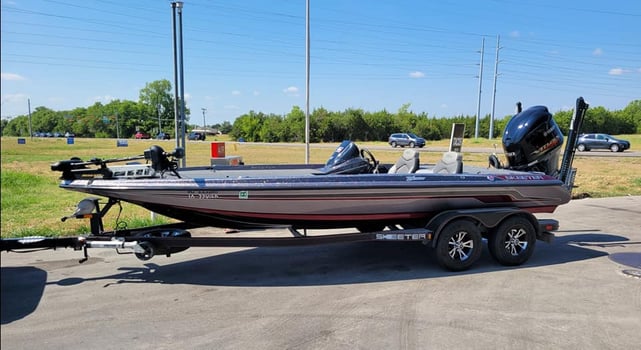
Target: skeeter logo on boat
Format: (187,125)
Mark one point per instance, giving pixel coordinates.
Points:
(517,177)
(202,195)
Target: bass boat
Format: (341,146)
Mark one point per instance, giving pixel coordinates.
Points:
(448,205)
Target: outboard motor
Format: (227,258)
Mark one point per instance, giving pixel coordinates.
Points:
(346,159)
(532,141)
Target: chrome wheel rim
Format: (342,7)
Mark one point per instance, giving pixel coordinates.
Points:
(460,246)
(515,242)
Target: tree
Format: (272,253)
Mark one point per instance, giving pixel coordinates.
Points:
(248,126)
(159,102)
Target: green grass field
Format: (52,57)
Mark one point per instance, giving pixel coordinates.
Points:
(32,203)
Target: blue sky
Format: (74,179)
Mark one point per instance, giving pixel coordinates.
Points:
(250,55)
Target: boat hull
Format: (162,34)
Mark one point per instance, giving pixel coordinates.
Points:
(331,201)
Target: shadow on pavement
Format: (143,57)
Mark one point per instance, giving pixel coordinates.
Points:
(334,264)
(21,291)
(337,264)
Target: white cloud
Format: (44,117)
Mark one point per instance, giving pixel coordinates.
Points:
(597,52)
(515,34)
(256,92)
(235,92)
(291,91)
(187,97)
(639,70)
(11,76)
(616,71)
(417,74)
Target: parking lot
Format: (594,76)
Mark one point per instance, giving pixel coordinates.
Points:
(583,291)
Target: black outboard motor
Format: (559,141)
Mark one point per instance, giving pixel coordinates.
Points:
(346,159)
(532,141)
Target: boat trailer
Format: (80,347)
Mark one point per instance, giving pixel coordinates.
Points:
(455,234)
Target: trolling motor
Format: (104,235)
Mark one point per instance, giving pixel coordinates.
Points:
(161,161)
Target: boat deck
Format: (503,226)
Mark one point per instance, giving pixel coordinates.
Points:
(260,171)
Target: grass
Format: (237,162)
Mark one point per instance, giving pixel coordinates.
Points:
(32,203)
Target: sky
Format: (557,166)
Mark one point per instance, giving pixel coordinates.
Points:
(240,56)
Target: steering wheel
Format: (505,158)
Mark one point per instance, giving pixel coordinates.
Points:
(369,157)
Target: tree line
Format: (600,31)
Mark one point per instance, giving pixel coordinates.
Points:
(360,125)
(154,112)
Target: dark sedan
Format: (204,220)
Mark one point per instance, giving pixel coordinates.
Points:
(588,142)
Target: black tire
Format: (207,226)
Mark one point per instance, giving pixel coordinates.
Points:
(513,241)
(459,245)
(148,251)
(161,233)
(393,143)
(614,147)
(412,145)
(581,147)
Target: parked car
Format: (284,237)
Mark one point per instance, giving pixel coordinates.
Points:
(163,136)
(142,135)
(406,139)
(69,134)
(588,142)
(196,136)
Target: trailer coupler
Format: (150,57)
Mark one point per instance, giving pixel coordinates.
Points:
(31,244)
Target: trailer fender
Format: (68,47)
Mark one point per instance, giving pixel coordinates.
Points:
(487,218)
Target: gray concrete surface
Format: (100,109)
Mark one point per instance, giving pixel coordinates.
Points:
(577,293)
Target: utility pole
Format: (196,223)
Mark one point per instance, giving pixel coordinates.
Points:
(29,106)
(496,68)
(478,104)
(117,127)
(179,109)
(182,85)
(204,111)
(176,112)
(159,122)
(307,82)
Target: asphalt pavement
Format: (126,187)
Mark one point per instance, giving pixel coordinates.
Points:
(583,291)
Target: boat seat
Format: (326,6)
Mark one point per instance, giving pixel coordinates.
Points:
(451,163)
(408,163)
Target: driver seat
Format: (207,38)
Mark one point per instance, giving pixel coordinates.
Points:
(408,163)
(451,163)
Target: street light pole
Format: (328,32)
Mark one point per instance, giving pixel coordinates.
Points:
(307,82)
(176,118)
(182,84)
(159,123)
(179,109)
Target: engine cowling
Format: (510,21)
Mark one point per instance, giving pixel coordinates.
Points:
(532,141)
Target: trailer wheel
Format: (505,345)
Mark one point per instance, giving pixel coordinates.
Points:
(161,233)
(512,243)
(459,245)
(148,253)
